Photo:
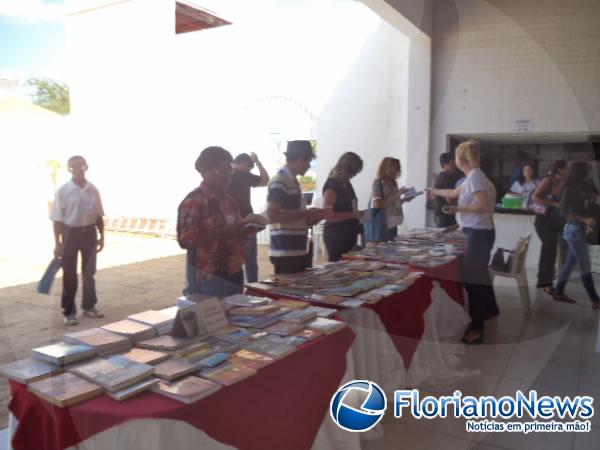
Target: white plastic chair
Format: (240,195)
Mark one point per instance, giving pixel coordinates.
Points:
(516,270)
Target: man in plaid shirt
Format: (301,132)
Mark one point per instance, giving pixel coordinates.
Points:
(210,228)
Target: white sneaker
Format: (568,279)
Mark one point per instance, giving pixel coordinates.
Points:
(71,320)
(93,313)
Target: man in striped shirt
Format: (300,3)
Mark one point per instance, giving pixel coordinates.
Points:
(288,214)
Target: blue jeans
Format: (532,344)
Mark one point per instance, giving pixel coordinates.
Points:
(251,266)
(574,234)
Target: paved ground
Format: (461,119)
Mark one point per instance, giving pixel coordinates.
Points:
(124,286)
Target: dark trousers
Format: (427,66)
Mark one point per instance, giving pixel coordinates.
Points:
(223,285)
(391,234)
(290,264)
(79,239)
(476,275)
(550,233)
(251,263)
(338,242)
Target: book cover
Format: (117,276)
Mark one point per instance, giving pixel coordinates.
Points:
(66,389)
(246,300)
(326,326)
(268,348)
(299,316)
(144,356)
(131,329)
(63,353)
(150,317)
(28,370)
(188,390)
(260,310)
(96,337)
(227,374)
(309,335)
(284,328)
(250,359)
(114,373)
(292,304)
(135,389)
(166,342)
(175,368)
(214,359)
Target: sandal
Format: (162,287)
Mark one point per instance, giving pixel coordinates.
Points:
(472,337)
(560,297)
(547,289)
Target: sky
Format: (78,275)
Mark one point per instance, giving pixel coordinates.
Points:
(32,39)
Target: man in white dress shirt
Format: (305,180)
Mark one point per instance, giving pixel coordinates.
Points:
(77,219)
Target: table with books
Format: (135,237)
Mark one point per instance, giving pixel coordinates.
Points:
(407,312)
(183,378)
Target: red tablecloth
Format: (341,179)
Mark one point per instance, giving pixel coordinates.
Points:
(280,408)
(449,276)
(403,314)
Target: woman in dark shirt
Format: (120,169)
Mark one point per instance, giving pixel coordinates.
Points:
(342,230)
(576,208)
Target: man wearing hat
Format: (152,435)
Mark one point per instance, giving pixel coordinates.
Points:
(288,214)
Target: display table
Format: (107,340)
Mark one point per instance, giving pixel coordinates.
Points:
(284,406)
(407,339)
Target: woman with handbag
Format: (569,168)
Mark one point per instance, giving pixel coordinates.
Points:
(549,223)
(341,231)
(387,199)
(577,207)
(474,213)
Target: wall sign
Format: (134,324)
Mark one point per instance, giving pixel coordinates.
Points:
(524,125)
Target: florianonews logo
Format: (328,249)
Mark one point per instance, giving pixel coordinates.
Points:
(360,404)
(362,417)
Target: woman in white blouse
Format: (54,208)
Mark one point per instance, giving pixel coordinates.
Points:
(526,184)
(474,213)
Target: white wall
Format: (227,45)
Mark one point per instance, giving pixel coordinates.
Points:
(496,61)
(367,113)
(148,101)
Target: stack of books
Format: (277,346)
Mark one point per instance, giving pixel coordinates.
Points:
(227,373)
(161,322)
(188,390)
(62,353)
(28,370)
(102,341)
(66,389)
(144,356)
(135,331)
(165,343)
(250,359)
(175,368)
(246,300)
(326,326)
(114,373)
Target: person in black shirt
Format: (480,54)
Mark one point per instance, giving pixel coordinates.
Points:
(342,229)
(242,181)
(577,208)
(446,179)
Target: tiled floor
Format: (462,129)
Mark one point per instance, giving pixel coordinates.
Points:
(553,351)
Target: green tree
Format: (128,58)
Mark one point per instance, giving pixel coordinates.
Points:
(51,95)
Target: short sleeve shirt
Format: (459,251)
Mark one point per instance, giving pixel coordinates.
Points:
(239,189)
(287,238)
(393,212)
(345,201)
(205,210)
(476,181)
(77,206)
